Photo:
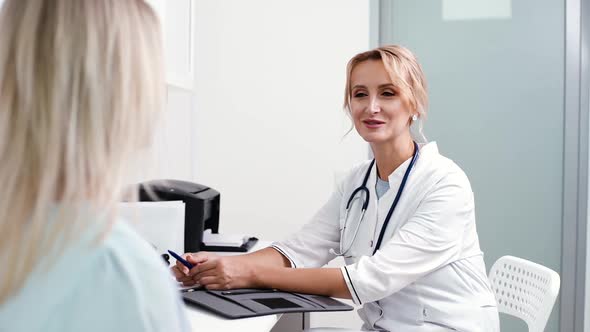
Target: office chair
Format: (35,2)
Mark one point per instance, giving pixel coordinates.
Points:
(525,290)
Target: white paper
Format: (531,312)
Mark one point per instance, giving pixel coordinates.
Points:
(225,240)
(160,223)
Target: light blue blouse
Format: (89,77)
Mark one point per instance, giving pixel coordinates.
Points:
(381,187)
(117,284)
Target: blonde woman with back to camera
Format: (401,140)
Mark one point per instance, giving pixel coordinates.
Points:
(81,88)
(404,221)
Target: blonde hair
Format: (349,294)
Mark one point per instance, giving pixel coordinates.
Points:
(81,86)
(405,73)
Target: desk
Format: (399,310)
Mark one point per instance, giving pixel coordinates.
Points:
(202,320)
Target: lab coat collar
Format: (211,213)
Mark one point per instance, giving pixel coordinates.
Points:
(396,177)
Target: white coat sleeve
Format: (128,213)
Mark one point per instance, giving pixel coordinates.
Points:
(309,247)
(430,239)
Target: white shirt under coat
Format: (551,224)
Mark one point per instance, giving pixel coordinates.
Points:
(429,273)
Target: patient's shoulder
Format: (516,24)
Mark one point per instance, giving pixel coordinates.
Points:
(128,282)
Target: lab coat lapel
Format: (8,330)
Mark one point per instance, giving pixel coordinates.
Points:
(425,173)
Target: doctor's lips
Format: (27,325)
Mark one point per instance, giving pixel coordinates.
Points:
(373,123)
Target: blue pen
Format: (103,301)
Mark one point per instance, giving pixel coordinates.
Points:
(180,259)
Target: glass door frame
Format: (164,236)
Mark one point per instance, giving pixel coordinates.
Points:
(575,176)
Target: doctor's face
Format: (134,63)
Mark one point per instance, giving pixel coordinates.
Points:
(380,115)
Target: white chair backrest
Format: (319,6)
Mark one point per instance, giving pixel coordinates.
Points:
(524,289)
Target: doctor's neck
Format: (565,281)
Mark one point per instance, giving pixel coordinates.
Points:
(391,154)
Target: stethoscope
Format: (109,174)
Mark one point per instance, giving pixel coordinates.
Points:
(363,191)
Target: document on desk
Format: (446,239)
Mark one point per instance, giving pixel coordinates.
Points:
(229,240)
(160,223)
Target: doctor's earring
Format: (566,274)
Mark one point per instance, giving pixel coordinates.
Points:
(414,117)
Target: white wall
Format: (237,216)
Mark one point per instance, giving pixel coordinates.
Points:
(268,120)
(171,154)
(173,142)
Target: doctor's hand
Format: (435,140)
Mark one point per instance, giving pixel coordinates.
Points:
(183,274)
(217,272)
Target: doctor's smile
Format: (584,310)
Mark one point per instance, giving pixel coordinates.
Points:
(373,124)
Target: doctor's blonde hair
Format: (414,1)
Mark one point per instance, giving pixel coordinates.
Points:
(405,73)
(81,87)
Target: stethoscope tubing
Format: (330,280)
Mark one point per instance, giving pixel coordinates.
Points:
(397,197)
(363,189)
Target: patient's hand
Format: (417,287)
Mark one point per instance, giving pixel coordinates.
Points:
(216,272)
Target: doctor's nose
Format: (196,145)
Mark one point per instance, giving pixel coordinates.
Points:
(374,106)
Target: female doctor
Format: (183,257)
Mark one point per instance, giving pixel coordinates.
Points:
(404,222)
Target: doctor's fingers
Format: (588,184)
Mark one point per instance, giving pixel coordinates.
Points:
(181,277)
(180,268)
(208,273)
(199,257)
(206,266)
(215,283)
(184,279)
(189,282)
(178,274)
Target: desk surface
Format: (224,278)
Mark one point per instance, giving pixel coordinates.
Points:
(203,320)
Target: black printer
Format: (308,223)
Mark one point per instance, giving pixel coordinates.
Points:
(201,206)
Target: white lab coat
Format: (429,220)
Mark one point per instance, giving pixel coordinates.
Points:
(428,274)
